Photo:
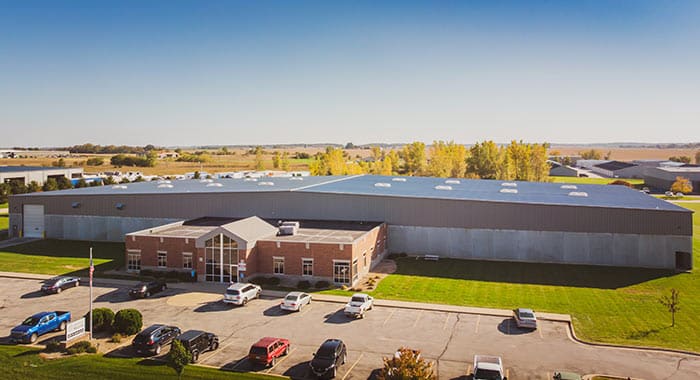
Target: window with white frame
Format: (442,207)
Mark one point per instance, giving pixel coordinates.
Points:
(187,260)
(133,261)
(278,265)
(341,272)
(307,267)
(162,259)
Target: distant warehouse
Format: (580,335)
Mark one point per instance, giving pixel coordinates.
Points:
(39,174)
(470,219)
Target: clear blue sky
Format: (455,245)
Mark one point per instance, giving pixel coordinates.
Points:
(262,72)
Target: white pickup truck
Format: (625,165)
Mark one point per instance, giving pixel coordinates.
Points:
(358,305)
(488,368)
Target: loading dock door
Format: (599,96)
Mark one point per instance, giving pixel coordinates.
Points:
(33,221)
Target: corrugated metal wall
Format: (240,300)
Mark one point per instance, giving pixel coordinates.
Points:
(393,210)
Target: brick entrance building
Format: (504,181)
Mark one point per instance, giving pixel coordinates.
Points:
(222,250)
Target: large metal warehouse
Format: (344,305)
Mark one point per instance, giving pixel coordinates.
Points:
(470,219)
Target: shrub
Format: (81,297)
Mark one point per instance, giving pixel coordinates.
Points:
(344,287)
(128,321)
(406,365)
(322,284)
(274,281)
(178,357)
(53,346)
(259,280)
(303,284)
(117,338)
(102,319)
(80,347)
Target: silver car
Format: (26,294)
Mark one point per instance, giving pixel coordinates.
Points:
(525,318)
(294,301)
(240,293)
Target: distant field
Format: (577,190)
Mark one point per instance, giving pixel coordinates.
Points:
(595,181)
(627,154)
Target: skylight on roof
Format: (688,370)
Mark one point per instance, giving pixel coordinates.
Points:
(206,180)
(397,179)
(162,181)
(213,184)
(165,186)
(119,187)
(452,181)
(569,187)
(509,191)
(578,194)
(296,178)
(509,184)
(251,180)
(443,187)
(266,184)
(382,184)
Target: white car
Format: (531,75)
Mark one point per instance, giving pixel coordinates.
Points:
(294,301)
(525,318)
(358,305)
(240,293)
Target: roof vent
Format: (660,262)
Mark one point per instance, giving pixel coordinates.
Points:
(119,187)
(266,184)
(75,205)
(452,182)
(399,179)
(162,181)
(509,184)
(251,180)
(296,178)
(382,184)
(509,191)
(578,194)
(165,186)
(442,187)
(206,180)
(288,228)
(214,184)
(569,187)
(120,206)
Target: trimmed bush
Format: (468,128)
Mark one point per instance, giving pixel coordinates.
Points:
(322,284)
(102,319)
(259,280)
(274,281)
(117,338)
(81,347)
(53,346)
(303,284)
(128,321)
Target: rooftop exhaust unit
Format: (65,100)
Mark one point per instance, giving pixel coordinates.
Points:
(288,228)
(296,178)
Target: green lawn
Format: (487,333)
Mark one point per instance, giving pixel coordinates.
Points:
(613,305)
(60,257)
(3,205)
(4,221)
(595,181)
(19,362)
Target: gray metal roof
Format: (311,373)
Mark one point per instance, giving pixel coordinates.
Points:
(410,187)
(250,229)
(15,169)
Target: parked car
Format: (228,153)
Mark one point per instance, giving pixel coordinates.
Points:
(488,368)
(240,293)
(358,305)
(58,284)
(294,301)
(39,324)
(525,318)
(196,342)
(145,289)
(152,339)
(267,350)
(328,358)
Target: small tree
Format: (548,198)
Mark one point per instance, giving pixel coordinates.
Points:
(671,304)
(407,364)
(128,321)
(620,182)
(682,185)
(178,357)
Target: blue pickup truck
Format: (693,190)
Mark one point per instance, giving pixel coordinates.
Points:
(39,324)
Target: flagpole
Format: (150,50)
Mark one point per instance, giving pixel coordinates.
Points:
(92,268)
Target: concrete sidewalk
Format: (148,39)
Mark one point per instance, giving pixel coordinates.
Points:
(218,288)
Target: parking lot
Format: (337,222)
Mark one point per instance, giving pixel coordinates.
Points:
(448,339)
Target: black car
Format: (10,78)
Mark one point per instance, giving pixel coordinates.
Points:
(329,356)
(152,339)
(145,289)
(196,342)
(56,285)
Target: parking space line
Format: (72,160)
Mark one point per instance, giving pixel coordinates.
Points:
(219,350)
(420,313)
(305,309)
(447,318)
(353,365)
(478,320)
(281,360)
(549,376)
(508,327)
(388,317)
(540,331)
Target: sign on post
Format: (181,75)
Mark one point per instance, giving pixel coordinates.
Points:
(75,329)
(241,266)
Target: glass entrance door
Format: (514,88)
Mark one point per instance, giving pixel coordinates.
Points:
(221,252)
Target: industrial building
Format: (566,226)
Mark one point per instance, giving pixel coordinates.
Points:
(458,218)
(661,178)
(39,174)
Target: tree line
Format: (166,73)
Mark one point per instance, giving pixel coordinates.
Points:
(515,161)
(110,149)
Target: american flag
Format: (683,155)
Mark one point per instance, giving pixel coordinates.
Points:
(92,269)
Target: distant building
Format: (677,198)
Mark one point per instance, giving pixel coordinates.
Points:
(164,155)
(662,178)
(618,169)
(39,174)
(560,170)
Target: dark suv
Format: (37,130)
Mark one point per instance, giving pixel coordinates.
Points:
(329,356)
(145,289)
(196,342)
(152,339)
